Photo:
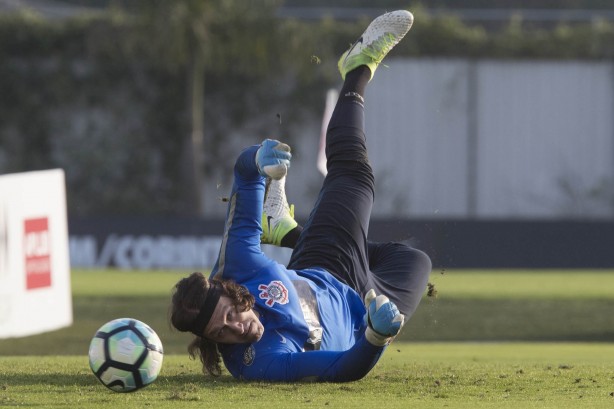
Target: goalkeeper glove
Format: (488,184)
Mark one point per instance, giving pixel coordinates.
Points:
(384,321)
(273,159)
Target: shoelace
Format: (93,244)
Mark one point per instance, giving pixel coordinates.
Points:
(275,204)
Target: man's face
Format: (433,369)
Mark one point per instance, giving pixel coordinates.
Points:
(230,326)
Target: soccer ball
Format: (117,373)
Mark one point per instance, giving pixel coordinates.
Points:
(126,355)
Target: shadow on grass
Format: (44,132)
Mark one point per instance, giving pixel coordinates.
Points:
(49,379)
(180,380)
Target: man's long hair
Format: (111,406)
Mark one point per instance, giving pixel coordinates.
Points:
(188,296)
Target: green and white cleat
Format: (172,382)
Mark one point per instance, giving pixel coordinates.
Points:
(277,214)
(378,39)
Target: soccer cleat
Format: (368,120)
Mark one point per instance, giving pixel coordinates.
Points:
(277,214)
(378,39)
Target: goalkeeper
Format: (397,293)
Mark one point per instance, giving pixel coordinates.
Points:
(328,315)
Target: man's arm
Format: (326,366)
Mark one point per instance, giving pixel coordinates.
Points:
(320,366)
(384,322)
(240,252)
(277,362)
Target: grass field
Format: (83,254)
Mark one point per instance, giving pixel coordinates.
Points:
(567,316)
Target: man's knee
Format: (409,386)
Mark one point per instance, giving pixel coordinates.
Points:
(420,260)
(403,253)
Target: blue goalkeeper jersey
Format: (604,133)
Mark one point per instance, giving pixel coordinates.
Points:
(313,323)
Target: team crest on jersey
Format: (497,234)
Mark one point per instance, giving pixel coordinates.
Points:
(274,292)
(249,355)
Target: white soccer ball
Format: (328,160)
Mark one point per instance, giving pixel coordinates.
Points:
(126,355)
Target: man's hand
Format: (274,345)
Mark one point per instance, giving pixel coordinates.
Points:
(383,318)
(273,159)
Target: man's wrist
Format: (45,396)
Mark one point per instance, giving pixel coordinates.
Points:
(377,339)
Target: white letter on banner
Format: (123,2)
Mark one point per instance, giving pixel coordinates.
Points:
(82,251)
(143,253)
(122,252)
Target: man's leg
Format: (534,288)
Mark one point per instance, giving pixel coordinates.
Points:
(335,235)
(400,272)
(396,270)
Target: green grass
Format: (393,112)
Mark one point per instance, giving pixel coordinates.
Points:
(118,283)
(525,284)
(419,370)
(468,284)
(470,306)
(433,375)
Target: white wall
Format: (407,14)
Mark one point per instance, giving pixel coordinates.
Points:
(454,138)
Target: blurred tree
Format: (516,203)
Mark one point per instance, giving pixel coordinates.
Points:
(119,99)
(455,4)
(183,34)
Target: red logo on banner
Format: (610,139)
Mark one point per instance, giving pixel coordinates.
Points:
(37,248)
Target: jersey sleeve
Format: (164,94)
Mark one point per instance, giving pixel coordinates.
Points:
(240,254)
(321,366)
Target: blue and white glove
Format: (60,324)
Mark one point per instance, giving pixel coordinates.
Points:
(273,159)
(384,321)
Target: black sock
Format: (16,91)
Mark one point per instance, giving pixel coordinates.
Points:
(356,83)
(290,239)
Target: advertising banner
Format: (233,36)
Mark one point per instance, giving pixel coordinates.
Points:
(35,294)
